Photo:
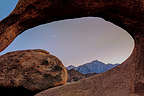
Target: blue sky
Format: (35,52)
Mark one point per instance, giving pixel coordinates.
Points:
(6,6)
(74,41)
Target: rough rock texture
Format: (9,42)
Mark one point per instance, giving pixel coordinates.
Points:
(116,82)
(33,70)
(124,80)
(74,75)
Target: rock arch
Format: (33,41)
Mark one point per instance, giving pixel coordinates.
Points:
(127,14)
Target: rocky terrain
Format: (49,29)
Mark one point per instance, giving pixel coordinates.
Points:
(126,79)
(115,82)
(74,75)
(30,71)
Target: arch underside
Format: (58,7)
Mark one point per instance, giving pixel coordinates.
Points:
(124,80)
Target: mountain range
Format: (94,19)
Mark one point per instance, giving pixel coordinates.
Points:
(92,67)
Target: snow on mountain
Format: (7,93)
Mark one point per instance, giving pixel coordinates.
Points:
(93,67)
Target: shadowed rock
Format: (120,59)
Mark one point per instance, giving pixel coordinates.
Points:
(30,71)
(74,75)
(116,82)
(124,80)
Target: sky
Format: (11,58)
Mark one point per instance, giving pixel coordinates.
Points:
(74,41)
(6,6)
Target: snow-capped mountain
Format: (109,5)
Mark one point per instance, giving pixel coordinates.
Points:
(92,67)
(70,67)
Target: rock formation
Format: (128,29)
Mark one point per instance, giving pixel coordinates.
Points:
(74,75)
(31,71)
(116,82)
(124,80)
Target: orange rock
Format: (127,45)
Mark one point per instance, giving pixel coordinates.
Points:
(127,14)
(34,70)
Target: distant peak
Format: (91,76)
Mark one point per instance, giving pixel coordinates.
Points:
(70,67)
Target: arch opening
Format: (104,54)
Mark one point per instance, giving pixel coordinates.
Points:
(78,41)
(131,20)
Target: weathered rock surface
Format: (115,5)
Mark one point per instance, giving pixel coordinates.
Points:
(124,80)
(74,75)
(116,82)
(127,14)
(33,70)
